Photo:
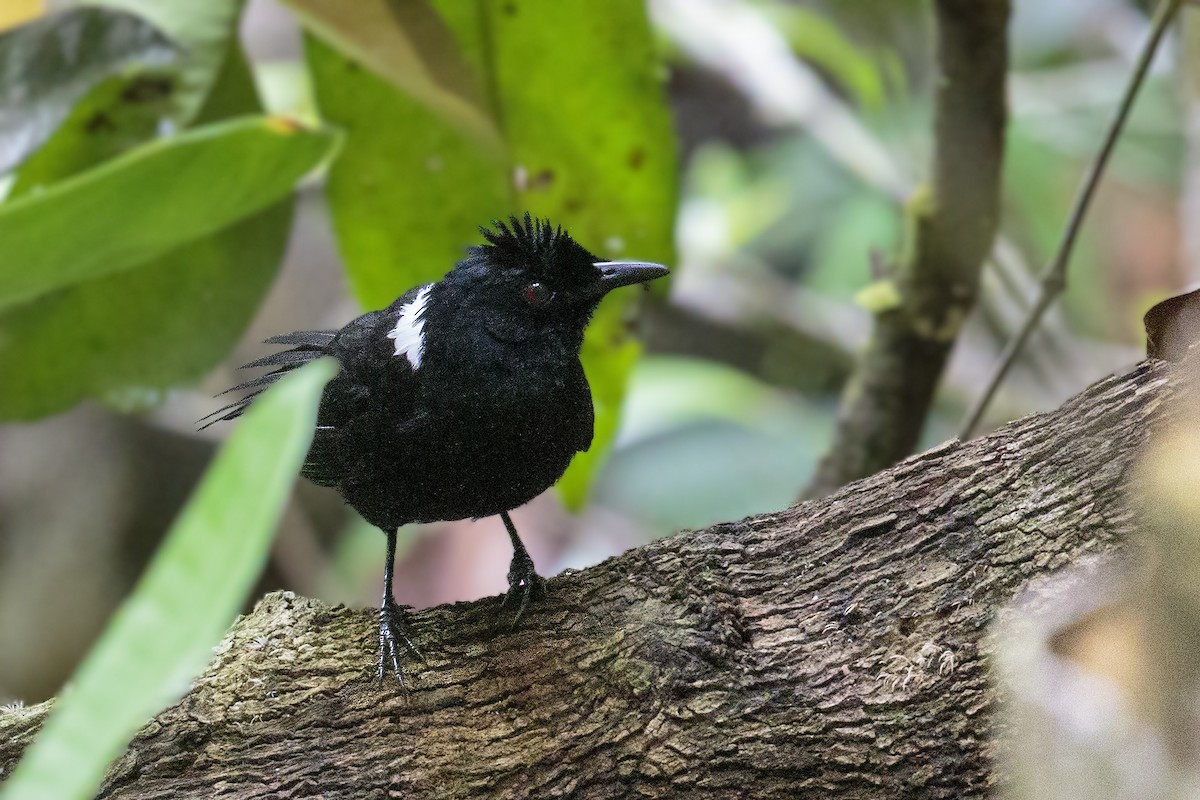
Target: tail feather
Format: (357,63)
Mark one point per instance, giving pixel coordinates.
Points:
(284,358)
(232,405)
(310,338)
(255,383)
(309,346)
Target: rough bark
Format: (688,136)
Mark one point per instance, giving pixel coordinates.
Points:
(834,649)
(952,225)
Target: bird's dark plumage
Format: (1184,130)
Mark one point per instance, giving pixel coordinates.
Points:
(463,398)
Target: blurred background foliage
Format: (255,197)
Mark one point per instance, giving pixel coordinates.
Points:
(189,178)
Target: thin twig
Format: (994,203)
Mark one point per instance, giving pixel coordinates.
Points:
(1054,280)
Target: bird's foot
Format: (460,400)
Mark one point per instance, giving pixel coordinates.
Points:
(393,638)
(524,585)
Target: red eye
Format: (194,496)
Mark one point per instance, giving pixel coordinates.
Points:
(537,294)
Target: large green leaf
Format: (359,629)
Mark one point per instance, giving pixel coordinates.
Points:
(47,65)
(409,45)
(127,336)
(118,114)
(136,333)
(579,89)
(184,187)
(588,143)
(146,101)
(163,634)
(408,190)
(204,29)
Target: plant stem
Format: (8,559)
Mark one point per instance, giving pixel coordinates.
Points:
(1054,279)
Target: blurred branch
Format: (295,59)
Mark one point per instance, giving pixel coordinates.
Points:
(736,41)
(953,223)
(1054,280)
(1099,667)
(769,351)
(835,649)
(747,101)
(1189,211)
(1169,596)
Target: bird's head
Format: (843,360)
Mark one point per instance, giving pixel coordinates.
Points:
(531,278)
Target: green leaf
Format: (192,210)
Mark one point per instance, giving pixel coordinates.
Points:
(117,115)
(145,329)
(204,30)
(135,333)
(587,124)
(136,106)
(47,65)
(163,634)
(408,44)
(408,190)
(880,296)
(588,143)
(190,185)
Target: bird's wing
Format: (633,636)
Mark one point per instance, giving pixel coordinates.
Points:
(307,346)
(366,403)
(586,431)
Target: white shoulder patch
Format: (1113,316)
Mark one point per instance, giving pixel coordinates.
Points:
(409,332)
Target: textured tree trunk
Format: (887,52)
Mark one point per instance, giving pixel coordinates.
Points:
(835,649)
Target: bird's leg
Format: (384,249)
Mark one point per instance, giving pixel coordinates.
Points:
(393,627)
(524,583)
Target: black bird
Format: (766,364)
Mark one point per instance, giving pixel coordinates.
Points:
(463,398)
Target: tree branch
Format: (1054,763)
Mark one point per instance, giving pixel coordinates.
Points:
(767,349)
(953,223)
(834,649)
(1054,279)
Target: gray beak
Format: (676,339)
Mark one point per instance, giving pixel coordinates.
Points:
(625,273)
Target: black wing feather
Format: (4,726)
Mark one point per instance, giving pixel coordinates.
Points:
(371,377)
(323,464)
(348,413)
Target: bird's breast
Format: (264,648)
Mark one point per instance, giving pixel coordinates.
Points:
(504,436)
(470,436)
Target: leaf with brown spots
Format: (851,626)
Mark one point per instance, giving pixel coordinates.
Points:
(46,66)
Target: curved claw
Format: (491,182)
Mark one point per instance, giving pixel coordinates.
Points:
(524,585)
(393,634)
